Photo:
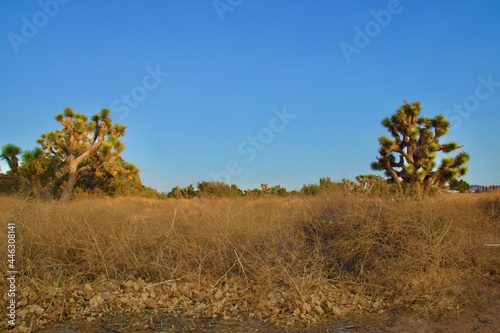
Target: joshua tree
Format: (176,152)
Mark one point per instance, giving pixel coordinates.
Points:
(33,159)
(9,154)
(85,146)
(408,158)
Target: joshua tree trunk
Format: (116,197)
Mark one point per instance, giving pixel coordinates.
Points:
(35,185)
(70,184)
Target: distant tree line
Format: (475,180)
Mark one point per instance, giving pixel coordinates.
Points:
(489,188)
(368,184)
(84,157)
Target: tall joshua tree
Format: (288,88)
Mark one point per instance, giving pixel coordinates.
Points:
(9,154)
(85,146)
(408,158)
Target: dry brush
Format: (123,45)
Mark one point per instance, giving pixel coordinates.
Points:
(283,259)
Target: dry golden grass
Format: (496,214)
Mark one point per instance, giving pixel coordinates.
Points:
(298,257)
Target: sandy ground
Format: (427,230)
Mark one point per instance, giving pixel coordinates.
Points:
(485,320)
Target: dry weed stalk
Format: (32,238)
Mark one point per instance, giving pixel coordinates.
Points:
(421,254)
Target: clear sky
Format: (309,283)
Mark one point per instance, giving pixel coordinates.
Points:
(276,92)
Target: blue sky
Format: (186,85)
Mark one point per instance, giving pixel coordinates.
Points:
(276,92)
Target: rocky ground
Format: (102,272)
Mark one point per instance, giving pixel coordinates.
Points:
(397,321)
(484,319)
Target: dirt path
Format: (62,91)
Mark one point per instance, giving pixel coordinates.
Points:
(485,320)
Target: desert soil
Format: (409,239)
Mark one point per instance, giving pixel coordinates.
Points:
(479,319)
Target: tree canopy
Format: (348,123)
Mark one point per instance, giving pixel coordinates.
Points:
(10,153)
(85,146)
(408,158)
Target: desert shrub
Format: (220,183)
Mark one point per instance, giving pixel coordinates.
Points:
(422,254)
